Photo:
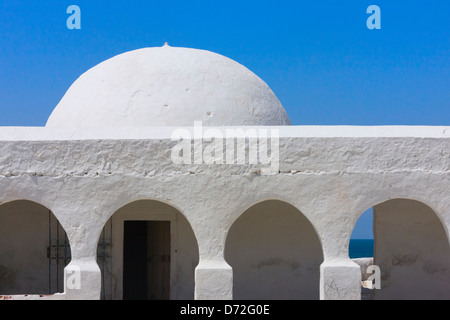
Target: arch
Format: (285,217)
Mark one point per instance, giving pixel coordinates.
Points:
(34,249)
(275,253)
(119,204)
(370,202)
(411,247)
(240,210)
(22,196)
(157,216)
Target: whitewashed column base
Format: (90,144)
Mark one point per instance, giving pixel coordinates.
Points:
(213,281)
(340,280)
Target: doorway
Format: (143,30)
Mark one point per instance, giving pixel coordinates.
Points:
(146,260)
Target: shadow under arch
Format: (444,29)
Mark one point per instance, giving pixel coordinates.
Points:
(240,210)
(150,230)
(275,254)
(411,247)
(34,249)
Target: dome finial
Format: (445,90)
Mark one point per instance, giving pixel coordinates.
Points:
(166,44)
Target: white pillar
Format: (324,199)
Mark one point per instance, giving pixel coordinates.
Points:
(213,280)
(82,280)
(340,280)
(82,276)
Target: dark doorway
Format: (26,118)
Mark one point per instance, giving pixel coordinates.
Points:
(146,260)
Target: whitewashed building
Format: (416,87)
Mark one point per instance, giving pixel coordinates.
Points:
(107,202)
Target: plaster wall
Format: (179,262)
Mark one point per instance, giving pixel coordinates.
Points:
(412,250)
(330,174)
(24,239)
(275,254)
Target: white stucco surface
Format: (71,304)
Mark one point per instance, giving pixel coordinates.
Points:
(275,254)
(23,239)
(412,250)
(329,174)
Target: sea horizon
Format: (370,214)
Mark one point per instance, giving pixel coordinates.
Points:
(361,248)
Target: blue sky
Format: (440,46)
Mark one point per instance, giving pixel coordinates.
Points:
(323,63)
(320,59)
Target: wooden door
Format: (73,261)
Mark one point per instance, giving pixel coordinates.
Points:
(146,265)
(158,262)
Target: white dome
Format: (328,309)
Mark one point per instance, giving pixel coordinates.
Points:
(168,86)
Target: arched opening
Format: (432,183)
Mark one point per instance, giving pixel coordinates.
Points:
(148,251)
(361,250)
(361,241)
(34,250)
(412,250)
(275,254)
